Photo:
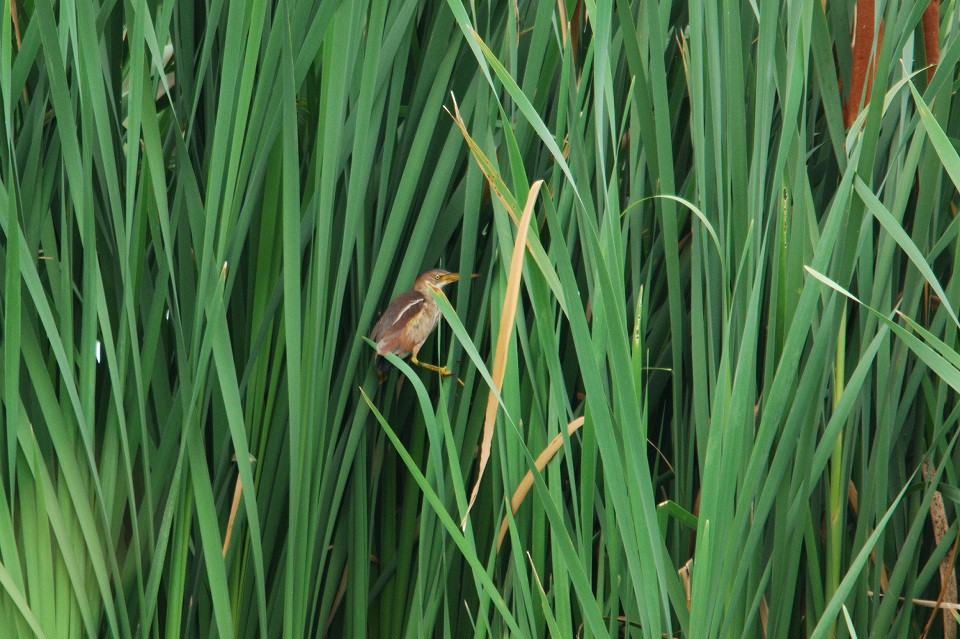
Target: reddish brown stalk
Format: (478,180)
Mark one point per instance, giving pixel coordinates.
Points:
(931,50)
(948,579)
(564,25)
(863,70)
(16,23)
(931,36)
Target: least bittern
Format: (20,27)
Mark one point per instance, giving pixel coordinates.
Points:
(409,320)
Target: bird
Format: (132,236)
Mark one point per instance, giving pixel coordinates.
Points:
(409,319)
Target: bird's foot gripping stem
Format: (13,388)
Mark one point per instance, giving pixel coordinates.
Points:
(441,370)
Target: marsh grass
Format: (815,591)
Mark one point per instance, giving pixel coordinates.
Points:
(730,315)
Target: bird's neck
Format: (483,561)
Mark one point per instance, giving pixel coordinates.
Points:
(430,304)
(424,289)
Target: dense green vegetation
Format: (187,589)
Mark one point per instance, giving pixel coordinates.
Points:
(723,288)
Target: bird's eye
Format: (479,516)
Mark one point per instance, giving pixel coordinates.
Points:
(437,277)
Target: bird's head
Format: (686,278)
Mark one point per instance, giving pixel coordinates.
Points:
(435,278)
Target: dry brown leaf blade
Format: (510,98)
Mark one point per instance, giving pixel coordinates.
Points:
(527,482)
(503,338)
(494,179)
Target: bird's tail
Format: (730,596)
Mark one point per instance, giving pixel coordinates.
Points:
(383,365)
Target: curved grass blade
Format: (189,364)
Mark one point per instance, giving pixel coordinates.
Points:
(511,298)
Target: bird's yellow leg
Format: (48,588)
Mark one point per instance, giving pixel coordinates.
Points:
(442,370)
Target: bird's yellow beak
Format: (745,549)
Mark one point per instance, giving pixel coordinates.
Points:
(449,277)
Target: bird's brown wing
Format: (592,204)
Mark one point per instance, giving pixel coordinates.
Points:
(388,329)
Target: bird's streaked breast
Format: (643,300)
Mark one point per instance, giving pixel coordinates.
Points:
(424,322)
